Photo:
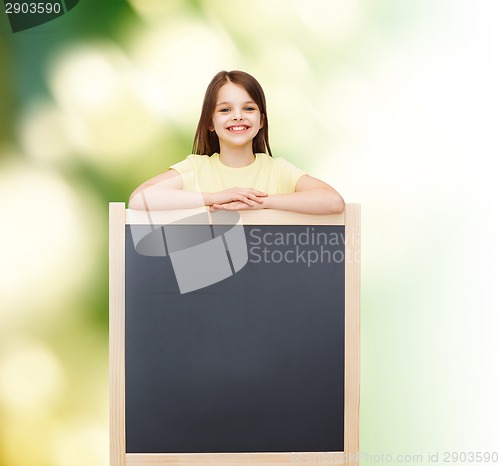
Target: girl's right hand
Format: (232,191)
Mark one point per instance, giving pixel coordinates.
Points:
(247,195)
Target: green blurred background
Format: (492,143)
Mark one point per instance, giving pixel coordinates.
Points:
(395,103)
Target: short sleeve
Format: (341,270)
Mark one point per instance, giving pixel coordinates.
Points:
(288,175)
(183,167)
(186,168)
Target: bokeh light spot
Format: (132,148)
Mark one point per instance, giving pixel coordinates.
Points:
(45,245)
(30,377)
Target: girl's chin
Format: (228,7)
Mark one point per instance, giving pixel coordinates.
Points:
(237,139)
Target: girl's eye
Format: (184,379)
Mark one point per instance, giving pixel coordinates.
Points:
(249,109)
(224,110)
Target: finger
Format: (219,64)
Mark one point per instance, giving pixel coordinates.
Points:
(251,192)
(257,199)
(258,193)
(246,200)
(249,196)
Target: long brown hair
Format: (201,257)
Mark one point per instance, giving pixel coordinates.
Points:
(206,142)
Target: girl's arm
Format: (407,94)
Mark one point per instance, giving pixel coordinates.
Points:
(164,192)
(311,196)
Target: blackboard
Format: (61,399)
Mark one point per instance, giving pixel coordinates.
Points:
(253,363)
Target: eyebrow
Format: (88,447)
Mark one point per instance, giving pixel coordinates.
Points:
(229,103)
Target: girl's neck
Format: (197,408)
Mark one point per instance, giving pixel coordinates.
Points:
(236,157)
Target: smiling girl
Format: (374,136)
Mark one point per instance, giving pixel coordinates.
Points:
(232,167)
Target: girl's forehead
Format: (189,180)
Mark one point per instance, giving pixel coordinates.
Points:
(230,92)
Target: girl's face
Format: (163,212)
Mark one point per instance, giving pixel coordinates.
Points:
(236,118)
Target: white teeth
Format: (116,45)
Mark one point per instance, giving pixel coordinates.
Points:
(237,128)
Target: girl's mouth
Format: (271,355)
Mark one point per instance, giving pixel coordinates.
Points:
(238,129)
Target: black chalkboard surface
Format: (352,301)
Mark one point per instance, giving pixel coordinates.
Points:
(253,363)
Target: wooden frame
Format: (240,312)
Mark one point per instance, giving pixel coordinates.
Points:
(118,218)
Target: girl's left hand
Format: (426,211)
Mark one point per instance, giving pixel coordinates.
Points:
(236,205)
